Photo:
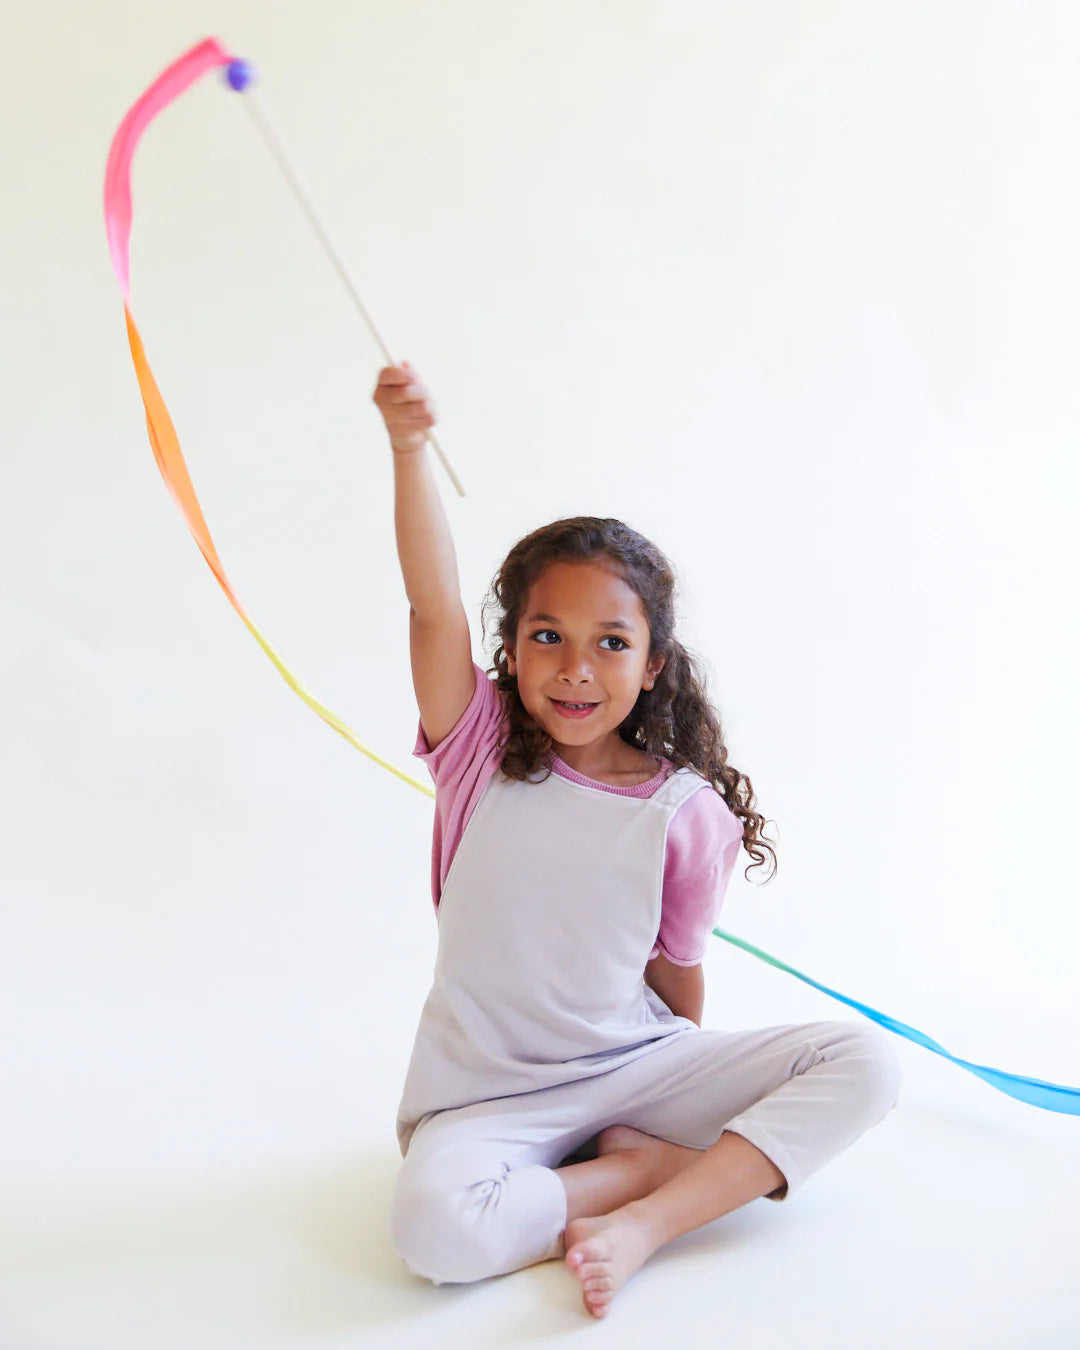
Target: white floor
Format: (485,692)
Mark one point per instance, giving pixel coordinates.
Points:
(950,1225)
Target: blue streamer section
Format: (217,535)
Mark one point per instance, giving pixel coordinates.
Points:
(1034,1091)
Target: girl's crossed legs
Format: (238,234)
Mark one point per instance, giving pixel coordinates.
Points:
(483,1189)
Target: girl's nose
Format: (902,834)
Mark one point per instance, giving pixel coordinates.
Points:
(576,668)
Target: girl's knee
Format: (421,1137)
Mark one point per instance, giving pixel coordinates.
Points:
(868,1055)
(438,1231)
(873,1051)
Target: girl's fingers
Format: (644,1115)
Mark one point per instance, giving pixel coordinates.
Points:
(396,386)
(403,399)
(412,393)
(397,374)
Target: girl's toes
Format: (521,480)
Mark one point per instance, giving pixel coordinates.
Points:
(595,1251)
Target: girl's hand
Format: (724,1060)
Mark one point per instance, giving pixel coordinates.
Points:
(405,406)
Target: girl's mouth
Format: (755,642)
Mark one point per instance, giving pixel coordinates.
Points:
(570,710)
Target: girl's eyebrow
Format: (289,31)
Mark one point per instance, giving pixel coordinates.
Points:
(609,623)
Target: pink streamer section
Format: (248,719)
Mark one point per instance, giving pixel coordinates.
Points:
(169,85)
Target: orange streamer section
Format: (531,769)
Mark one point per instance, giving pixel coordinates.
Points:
(170,461)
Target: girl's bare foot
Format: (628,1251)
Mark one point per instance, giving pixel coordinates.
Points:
(604,1252)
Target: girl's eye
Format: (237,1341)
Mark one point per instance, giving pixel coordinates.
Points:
(611,637)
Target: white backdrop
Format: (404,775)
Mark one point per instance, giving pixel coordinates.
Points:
(790,288)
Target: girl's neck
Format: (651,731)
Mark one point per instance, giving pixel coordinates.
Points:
(628,769)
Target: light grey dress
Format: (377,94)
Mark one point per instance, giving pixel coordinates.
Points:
(547,918)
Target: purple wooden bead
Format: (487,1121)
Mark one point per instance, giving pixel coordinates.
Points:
(239,73)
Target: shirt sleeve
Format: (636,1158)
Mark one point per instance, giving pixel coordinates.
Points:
(474,733)
(703,844)
(460,766)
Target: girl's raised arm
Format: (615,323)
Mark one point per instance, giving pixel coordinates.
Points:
(439,640)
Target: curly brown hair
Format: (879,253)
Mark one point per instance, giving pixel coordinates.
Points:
(675,718)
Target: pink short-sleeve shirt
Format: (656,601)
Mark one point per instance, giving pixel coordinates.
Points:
(703,838)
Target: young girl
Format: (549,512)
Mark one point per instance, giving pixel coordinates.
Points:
(562,1099)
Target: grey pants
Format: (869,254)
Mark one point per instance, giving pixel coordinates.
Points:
(477,1194)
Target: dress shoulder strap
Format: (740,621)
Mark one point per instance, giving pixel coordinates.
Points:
(680,785)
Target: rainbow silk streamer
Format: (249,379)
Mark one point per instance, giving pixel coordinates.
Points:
(166,88)
(169,86)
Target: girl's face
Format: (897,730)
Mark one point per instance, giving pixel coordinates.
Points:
(582,638)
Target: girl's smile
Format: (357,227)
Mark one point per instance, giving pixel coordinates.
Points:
(574,709)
